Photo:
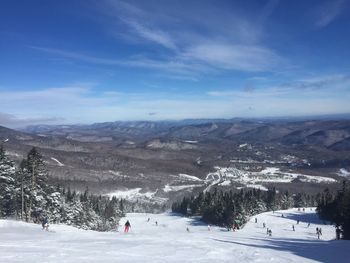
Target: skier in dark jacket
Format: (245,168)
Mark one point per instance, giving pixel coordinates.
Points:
(45,224)
(127,226)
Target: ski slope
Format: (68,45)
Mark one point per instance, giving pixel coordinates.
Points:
(170,242)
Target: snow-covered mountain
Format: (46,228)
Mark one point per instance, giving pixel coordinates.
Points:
(150,158)
(169,241)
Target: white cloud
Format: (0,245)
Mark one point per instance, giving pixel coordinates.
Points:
(85,104)
(12,121)
(234,57)
(199,39)
(327,12)
(151,34)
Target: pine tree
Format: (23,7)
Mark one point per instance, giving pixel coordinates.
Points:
(7,185)
(36,188)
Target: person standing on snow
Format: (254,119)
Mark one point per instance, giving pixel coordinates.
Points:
(127,226)
(45,224)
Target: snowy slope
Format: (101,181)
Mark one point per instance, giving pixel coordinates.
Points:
(170,242)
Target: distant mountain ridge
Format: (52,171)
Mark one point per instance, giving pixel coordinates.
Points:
(157,157)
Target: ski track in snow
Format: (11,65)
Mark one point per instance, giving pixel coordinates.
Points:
(170,242)
(57,161)
(190,177)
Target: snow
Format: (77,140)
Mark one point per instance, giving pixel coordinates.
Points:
(269,170)
(225,183)
(117,173)
(267,175)
(173,188)
(343,172)
(189,177)
(257,186)
(57,161)
(194,142)
(135,194)
(170,242)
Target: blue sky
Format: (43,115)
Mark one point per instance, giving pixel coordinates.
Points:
(94,61)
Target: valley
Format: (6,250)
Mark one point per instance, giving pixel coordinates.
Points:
(162,161)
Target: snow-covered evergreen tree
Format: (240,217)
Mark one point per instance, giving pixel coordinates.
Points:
(27,194)
(35,185)
(7,185)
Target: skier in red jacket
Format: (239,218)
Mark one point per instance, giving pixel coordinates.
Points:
(127,226)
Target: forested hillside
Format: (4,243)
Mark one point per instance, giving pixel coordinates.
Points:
(26,194)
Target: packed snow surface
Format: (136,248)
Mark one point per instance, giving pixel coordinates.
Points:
(170,242)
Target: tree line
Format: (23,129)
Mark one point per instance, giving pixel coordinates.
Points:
(336,208)
(26,194)
(228,208)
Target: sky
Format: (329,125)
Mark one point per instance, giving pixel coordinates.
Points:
(84,61)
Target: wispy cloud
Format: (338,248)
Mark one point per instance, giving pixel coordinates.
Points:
(327,12)
(151,34)
(12,121)
(315,86)
(234,57)
(78,56)
(85,104)
(196,40)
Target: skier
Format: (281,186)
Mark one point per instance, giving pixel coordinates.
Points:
(293,228)
(45,224)
(148,219)
(270,232)
(297,222)
(256,220)
(187,229)
(308,225)
(267,231)
(318,232)
(337,232)
(127,226)
(282,215)
(264,225)
(156,223)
